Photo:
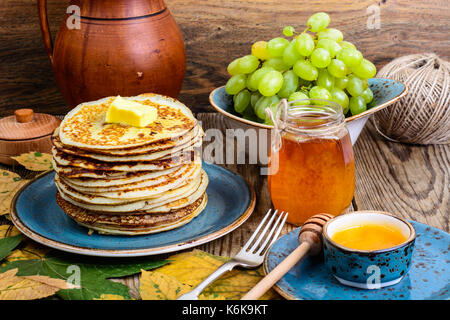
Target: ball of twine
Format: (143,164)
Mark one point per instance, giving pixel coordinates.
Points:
(422,116)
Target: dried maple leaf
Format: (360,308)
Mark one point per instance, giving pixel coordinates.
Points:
(35,161)
(10,183)
(191,268)
(13,287)
(158,286)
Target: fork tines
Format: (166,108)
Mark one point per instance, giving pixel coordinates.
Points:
(268,235)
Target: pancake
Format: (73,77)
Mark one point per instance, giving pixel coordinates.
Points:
(149,155)
(65,160)
(129,195)
(133,224)
(181,172)
(174,198)
(85,127)
(129,177)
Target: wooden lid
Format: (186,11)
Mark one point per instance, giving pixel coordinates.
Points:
(25,124)
(118,9)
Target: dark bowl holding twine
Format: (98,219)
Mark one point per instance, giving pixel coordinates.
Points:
(423,115)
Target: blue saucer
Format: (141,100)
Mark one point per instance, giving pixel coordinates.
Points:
(36,214)
(428,278)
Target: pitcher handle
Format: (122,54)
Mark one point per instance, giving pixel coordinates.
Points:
(43,22)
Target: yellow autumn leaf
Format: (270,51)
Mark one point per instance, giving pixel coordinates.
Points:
(35,161)
(8,230)
(10,183)
(157,286)
(13,287)
(194,266)
(31,250)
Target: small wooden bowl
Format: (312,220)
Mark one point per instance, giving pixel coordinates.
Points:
(25,131)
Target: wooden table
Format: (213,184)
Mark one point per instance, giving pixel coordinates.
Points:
(409,181)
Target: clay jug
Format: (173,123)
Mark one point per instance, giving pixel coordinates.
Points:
(116,47)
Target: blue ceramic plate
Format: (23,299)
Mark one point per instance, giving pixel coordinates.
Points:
(385,92)
(36,214)
(428,278)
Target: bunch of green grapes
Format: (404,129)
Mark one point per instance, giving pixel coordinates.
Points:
(315,64)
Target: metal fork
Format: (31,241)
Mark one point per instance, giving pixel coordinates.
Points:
(247,257)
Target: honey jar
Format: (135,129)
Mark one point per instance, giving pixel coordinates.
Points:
(311,167)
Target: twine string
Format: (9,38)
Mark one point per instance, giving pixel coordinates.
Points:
(423,115)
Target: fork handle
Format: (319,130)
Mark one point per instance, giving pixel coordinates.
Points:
(193,295)
(276,274)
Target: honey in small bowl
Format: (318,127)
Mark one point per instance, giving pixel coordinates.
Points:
(368,249)
(369,236)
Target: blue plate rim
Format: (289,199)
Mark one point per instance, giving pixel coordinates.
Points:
(24,229)
(349,119)
(277,287)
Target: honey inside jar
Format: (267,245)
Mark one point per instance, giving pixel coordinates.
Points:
(313,172)
(369,236)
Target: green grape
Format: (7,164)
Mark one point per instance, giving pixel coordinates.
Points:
(290,54)
(276,46)
(325,80)
(290,84)
(255,77)
(320,58)
(337,68)
(248,64)
(367,95)
(305,70)
(317,92)
(263,103)
(259,50)
(365,69)
(298,95)
(341,98)
(357,105)
(233,68)
(276,63)
(242,100)
(249,114)
(330,33)
(270,83)
(236,83)
(330,45)
(305,44)
(255,96)
(355,86)
(318,21)
(351,57)
(365,83)
(346,44)
(248,83)
(288,31)
(341,83)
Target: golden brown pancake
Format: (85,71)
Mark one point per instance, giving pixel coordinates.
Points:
(132,224)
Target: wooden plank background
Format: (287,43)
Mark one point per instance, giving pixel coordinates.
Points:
(215,32)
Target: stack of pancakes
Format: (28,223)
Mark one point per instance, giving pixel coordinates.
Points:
(119,179)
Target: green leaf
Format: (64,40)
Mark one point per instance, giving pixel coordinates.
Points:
(93,273)
(8,244)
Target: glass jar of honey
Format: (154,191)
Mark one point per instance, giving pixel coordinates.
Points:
(312,167)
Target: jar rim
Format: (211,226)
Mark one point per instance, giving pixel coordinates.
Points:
(314,114)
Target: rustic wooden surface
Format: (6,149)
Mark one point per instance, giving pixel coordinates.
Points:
(409,181)
(215,32)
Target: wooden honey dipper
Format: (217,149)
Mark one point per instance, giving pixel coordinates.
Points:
(310,239)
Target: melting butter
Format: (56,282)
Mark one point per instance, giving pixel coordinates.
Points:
(130,113)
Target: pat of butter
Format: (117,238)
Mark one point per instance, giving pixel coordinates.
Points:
(130,113)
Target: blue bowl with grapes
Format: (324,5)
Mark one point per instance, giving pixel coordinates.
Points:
(385,93)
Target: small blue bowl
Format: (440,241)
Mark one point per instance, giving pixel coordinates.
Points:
(368,269)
